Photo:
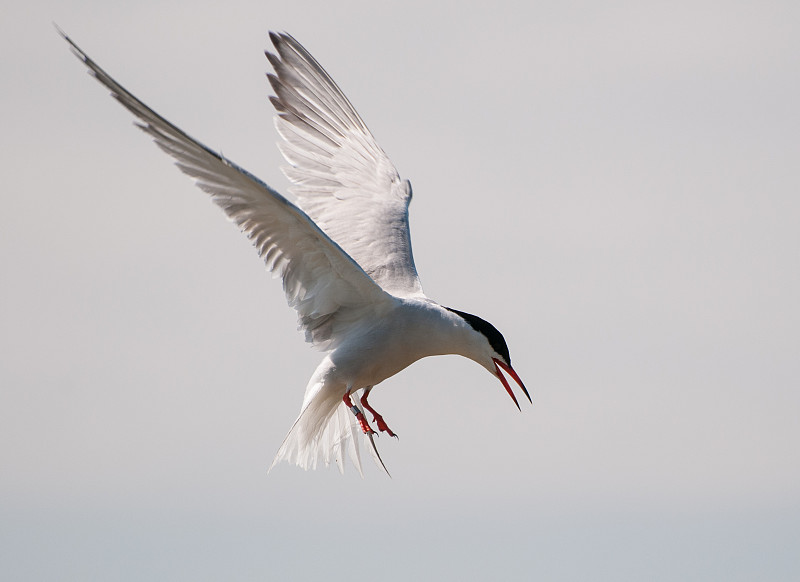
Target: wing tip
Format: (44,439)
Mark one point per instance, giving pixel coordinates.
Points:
(76,50)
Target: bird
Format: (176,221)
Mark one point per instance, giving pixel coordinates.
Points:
(342,250)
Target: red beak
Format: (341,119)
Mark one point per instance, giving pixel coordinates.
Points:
(510,371)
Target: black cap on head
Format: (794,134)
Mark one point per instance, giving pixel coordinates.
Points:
(495,338)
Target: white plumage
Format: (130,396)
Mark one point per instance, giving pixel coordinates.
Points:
(345,259)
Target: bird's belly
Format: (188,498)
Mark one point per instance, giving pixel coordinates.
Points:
(371,364)
(376,358)
(412,331)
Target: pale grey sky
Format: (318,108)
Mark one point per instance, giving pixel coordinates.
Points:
(614,185)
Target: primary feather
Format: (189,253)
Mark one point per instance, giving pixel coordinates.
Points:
(343,179)
(326,287)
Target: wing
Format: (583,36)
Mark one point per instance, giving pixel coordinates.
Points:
(329,290)
(342,178)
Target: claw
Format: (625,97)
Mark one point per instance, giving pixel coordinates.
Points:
(376,418)
(382,426)
(362,421)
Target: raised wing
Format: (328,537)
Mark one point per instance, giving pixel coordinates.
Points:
(329,290)
(342,178)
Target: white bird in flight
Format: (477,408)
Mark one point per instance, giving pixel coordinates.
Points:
(344,254)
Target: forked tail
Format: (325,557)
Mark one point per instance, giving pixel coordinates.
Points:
(325,429)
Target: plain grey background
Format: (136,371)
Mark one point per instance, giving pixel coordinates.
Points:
(614,185)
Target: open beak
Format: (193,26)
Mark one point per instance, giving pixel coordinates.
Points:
(498,365)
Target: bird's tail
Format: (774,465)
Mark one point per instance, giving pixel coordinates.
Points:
(325,429)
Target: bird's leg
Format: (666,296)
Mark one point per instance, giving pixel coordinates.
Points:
(377,418)
(362,420)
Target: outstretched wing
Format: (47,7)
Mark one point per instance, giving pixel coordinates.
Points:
(329,290)
(342,178)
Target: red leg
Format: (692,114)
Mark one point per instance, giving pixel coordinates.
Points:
(377,418)
(362,420)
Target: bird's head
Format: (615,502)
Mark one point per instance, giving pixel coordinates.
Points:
(491,352)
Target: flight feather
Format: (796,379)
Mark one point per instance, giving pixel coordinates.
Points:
(342,178)
(327,288)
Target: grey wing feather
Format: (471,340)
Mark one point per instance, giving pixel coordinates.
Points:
(342,178)
(327,288)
